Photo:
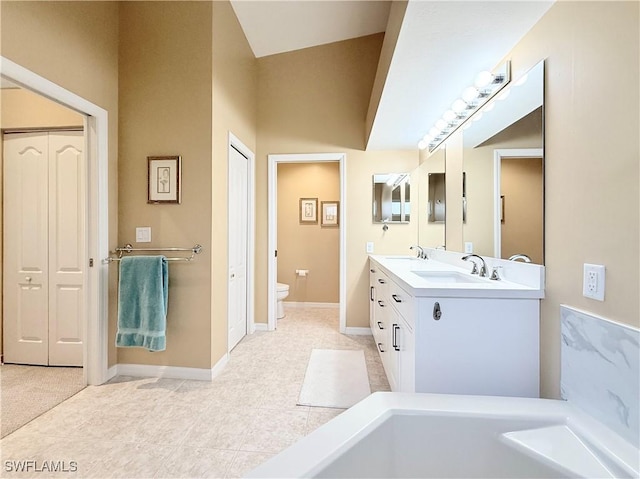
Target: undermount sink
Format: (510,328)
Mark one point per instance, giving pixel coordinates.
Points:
(448,277)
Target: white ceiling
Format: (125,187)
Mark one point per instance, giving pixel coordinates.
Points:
(441,47)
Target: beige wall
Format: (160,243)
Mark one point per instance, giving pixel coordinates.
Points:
(75,45)
(308,246)
(583,43)
(235,98)
(165,84)
(315,101)
(591,165)
(24,109)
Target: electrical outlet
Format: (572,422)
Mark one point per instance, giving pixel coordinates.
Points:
(369,246)
(593,281)
(468,247)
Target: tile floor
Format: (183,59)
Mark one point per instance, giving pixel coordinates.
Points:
(137,428)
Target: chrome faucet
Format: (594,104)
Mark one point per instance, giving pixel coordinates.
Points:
(483,269)
(523,257)
(421,252)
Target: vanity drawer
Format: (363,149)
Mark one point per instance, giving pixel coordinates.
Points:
(402,301)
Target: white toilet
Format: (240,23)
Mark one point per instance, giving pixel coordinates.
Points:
(282,291)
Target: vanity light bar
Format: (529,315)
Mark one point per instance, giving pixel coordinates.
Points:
(486,86)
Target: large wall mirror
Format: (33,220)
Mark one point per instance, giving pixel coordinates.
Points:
(504,168)
(430,177)
(391,198)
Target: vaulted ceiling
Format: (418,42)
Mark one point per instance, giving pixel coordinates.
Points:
(440,48)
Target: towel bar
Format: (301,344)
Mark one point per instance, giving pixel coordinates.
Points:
(196,249)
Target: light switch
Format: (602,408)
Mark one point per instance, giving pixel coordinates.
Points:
(143,234)
(468,247)
(369,246)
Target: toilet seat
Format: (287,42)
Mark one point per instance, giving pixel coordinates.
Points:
(281,287)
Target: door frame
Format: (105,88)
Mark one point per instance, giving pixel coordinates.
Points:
(234,141)
(95,351)
(498,154)
(272,246)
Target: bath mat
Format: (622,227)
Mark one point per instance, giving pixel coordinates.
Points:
(335,378)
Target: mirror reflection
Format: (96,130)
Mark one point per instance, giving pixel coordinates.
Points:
(431,202)
(503,165)
(391,198)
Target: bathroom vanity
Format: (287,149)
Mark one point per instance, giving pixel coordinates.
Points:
(439,329)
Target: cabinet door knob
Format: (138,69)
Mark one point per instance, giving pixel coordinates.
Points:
(28,279)
(381,281)
(380,325)
(381,303)
(396,298)
(372,270)
(380,348)
(437,312)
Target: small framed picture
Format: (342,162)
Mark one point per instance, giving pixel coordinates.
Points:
(309,211)
(330,213)
(165,176)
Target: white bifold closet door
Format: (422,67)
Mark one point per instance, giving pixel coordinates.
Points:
(44,248)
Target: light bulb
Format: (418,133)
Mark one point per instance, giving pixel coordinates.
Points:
(441,124)
(489,106)
(427,138)
(422,145)
(433,132)
(483,79)
(504,94)
(449,116)
(470,94)
(522,80)
(477,116)
(459,106)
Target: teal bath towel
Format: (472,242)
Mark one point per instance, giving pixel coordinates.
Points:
(143,294)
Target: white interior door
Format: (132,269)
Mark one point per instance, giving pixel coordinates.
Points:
(26,220)
(66,248)
(238,251)
(44,253)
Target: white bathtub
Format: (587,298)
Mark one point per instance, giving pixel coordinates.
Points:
(444,436)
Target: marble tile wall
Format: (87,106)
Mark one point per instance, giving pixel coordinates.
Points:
(600,370)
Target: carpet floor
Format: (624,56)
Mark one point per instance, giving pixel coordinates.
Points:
(29,391)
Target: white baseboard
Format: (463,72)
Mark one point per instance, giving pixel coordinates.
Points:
(173,372)
(358,331)
(295,304)
(261,326)
(112,372)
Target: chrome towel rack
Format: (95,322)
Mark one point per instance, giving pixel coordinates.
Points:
(121,250)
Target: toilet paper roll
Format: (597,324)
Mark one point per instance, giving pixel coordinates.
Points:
(302,272)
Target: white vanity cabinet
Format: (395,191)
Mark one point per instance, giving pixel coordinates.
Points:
(392,333)
(454,345)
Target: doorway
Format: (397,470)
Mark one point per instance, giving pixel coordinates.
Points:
(44,263)
(95,324)
(519,203)
(274,161)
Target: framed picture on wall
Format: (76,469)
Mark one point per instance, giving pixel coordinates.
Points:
(164,178)
(330,213)
(309,211)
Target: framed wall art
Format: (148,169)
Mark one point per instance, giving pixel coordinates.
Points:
(164,178)
(330,213)
(309,211)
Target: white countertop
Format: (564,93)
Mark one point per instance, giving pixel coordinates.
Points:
(401,269)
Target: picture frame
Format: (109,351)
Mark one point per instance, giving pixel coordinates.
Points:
(309,211)
(330,213)
(164,179)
